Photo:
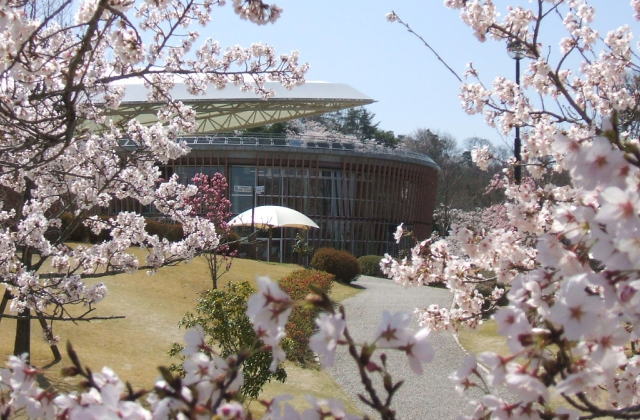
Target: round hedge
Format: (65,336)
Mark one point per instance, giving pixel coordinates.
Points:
(341,264)
(370,265)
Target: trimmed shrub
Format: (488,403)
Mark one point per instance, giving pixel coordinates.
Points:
(485,288)
(341,264)
(370,265)
(298,283)
(80,233)
(171,231)
(301,323)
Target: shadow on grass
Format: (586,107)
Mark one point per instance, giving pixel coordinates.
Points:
(353,286)
(341,291)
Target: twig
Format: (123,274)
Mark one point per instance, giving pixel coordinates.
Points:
(386,413)
(414,33)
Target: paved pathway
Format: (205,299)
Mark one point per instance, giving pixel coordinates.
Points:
(430,396)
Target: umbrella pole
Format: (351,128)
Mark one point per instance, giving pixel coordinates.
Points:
(281,243)
(253,225)
(269,247)
(306,254)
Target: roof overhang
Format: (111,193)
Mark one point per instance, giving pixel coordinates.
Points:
(227,109)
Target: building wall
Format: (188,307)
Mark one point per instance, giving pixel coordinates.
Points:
(357,200)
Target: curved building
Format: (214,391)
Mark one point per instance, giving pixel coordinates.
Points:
(357,193)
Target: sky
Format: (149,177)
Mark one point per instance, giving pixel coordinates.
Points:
(350,41)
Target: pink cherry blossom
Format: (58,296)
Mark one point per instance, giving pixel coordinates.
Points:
(578,311)
(231,411)
(393,330)
(418,350)
(397,235)
(269,309)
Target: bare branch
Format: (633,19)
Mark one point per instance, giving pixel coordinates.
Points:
(426,44)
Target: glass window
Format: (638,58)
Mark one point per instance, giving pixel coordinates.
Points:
(243,180)
(186,173)
(210,170)
(271,179)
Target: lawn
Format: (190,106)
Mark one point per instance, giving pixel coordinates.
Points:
(153,305)
(341,291)
(483,338)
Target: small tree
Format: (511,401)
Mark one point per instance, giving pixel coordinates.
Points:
(221,314)
(303,249)
(211,201)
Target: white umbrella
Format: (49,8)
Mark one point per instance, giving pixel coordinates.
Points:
(265,217)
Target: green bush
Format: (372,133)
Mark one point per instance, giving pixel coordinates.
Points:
(301,323)
(80,233)
(171,231)
(221,314)
(341,264)
(486,287)
(370,265)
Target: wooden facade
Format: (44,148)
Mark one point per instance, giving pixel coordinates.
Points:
(357,199)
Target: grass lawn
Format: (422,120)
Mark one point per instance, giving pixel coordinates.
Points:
(483,338)
(341,291)
(301,382)
(153,305)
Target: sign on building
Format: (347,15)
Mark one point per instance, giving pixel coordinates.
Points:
(246,189)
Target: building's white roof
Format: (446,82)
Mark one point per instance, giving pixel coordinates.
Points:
(230,108)
(315,90)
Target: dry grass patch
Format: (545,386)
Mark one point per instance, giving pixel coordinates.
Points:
(483,338)
(301,382)
(153,305)
(341,291)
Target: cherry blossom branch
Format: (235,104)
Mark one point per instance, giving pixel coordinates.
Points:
(362,360)
(61,318)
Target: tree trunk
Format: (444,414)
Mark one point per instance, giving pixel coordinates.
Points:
(214,272)
(49,336)
(22,343)
(212,261)
(23,333)
(5,300)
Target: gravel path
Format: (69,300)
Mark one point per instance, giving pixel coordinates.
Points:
(430,396)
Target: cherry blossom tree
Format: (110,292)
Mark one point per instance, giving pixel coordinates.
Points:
(567,256)
(211,202)
(61,140)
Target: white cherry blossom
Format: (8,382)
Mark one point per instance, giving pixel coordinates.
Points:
(325,341)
